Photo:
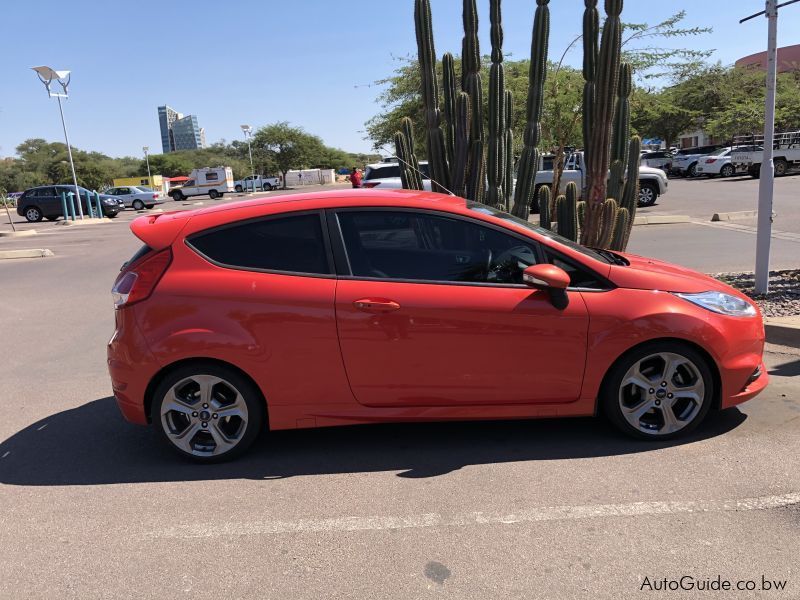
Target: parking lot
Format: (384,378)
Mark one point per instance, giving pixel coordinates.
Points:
(93,507)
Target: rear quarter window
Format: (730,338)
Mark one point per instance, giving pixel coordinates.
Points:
(292,244)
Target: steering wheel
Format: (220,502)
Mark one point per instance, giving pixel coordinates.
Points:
(520,252)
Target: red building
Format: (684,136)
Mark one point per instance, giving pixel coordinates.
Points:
(788,59)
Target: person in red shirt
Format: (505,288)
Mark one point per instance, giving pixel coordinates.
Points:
(355,177)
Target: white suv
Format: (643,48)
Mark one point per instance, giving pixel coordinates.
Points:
(386,175)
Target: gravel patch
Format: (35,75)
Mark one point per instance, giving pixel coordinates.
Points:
(783,298)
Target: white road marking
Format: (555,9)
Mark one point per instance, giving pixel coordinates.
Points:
(546,513)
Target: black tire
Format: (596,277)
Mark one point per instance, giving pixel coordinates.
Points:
(727,170)
(267,187)
(253,399)
(137,205)
(214,194)
(33,214)
(177,195)
(239,189)
(149,206)
(111,215)
(648,193)
(754,171)
(692,170)
(611,394)
(52,218)
(781,167)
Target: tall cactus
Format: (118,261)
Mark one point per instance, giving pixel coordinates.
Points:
(621,228)
(496,143)
(602,111)
(622,116)
(529,161)
(591,29)
(508,179)
(471,84)
(449,93)
(543,199)
(404,148)
(630,196)
(437,159)
(567,212)
(458,168)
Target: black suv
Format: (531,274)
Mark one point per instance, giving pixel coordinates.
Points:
(45,202)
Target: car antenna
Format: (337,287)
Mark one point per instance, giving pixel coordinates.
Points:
(392,155)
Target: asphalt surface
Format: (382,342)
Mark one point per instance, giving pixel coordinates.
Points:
(93,507)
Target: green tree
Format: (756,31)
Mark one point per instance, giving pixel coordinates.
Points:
(289,147)
(661,114)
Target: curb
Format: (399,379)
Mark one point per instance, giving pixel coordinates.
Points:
(26,253)
(662,220)
(730,216)
(783,332)
(71,223)
(21,233)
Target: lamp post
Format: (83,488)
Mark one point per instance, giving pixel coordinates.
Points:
(46,76)
(248,132)
(146,149)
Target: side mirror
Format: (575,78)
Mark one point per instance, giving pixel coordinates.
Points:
(551,278)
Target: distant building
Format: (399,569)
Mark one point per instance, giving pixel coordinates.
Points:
(788,59)
(179,132)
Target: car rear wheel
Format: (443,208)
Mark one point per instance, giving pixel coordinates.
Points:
(239,189)
(727,170)
(214,194)
(648,194)
(692,170)
(208,412)
(33,214)
(780,167)
(138,205)
(658,391)
(267,187)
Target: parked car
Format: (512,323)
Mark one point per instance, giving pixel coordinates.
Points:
(684,163)
(262,182)
(659,159)
(785,153)
(387,175)
(45,202)
(652,182)
(392,300)
(136,197)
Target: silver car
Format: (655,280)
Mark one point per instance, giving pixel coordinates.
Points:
(136,197)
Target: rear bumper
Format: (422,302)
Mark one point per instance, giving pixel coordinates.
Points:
(131,366)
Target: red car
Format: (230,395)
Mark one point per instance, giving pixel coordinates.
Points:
(336,308)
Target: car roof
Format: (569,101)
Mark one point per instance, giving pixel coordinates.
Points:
(390,163)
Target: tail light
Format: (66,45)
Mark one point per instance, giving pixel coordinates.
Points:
(371,184)
(138,281)
(155,196)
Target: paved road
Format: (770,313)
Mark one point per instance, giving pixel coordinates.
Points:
(701,197)
(93,508)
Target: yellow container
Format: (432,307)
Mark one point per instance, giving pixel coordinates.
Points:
(156,182)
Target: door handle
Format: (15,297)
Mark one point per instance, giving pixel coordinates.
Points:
(376,305)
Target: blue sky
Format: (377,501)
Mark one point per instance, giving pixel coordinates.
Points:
(309,62)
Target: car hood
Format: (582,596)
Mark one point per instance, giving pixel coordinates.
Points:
(645,273)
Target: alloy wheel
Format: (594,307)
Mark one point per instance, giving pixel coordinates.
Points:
(646,195)
(661,393)
(204,415)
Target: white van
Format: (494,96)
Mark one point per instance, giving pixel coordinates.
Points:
(214,181)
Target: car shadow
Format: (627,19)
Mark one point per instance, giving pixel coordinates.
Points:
(91,445)
(787,369)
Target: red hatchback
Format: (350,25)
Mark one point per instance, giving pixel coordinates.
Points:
(339,308)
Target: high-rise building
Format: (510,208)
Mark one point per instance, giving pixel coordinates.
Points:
(179,132)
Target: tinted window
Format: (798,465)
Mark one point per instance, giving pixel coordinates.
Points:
(421,246)
(283,244)
(382,172)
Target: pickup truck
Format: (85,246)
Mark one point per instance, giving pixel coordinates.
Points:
(262,182)
(652,182)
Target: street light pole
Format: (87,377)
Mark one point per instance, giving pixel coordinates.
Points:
(147,160)
(46,76)
(248,131)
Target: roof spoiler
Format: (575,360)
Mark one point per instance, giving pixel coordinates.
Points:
(160,230)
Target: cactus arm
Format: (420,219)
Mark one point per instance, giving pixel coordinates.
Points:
(461,147)
(543,198)
(449,96)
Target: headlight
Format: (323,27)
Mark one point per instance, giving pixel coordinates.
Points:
(722,303)
(109,201)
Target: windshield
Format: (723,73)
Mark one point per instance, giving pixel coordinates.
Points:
(488,210)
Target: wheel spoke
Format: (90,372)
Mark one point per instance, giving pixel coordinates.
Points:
(635,413)
(183,440)
(223,442)
(206,384)
(671,422)
(232,411)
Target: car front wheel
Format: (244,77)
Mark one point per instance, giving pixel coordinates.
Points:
(648,194)
(658,391)
(208,412)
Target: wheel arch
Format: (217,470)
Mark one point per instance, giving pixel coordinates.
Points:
(712,365)
(165,371)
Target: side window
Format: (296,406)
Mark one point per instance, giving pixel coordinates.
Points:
(212,176)
(293,244)
(422,246)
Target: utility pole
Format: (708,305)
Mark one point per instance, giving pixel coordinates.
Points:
(766,180)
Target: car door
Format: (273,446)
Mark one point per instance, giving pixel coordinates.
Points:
(431,311)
